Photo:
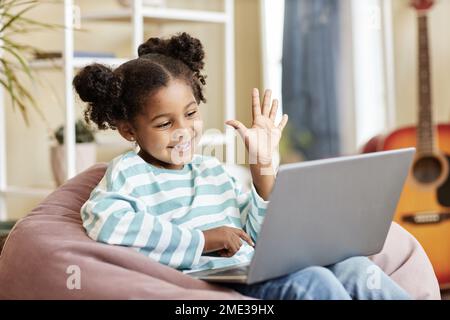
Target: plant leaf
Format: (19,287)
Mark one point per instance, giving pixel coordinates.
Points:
(22,61)
(16,58)
(16,16)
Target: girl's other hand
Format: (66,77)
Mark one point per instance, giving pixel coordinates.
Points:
(225,240)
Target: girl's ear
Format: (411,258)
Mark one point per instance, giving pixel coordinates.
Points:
(126,130)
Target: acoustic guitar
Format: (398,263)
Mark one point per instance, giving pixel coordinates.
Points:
(424,206)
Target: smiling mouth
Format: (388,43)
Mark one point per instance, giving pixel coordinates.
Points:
(183,147)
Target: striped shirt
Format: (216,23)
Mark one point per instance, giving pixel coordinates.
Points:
(161,212)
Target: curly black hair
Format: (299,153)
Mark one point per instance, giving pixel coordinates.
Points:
(120,94)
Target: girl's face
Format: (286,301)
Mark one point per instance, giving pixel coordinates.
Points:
(170,128)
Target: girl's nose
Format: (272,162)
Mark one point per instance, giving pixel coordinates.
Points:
(182,134)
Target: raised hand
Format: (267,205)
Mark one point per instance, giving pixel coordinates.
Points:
(263,138)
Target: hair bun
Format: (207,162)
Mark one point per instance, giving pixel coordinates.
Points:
(181,47)
(97,83)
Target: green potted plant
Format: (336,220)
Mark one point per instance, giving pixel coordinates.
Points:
(85,149)
(14,60)
(15,56)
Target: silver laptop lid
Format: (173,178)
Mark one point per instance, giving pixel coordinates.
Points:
(324,211)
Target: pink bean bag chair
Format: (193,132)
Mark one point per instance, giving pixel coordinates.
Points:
(48,255)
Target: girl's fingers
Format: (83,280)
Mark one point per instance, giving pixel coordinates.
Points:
(266,102)
(256,108)
(239,127)
(244,236)
(237,245)
(273,111)
(283,122)
(229,249)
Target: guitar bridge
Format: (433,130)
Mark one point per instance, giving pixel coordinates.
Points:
(426,217)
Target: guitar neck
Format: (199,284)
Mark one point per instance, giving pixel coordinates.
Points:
(425,128)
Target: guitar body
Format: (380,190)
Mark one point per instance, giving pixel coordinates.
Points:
(424,199)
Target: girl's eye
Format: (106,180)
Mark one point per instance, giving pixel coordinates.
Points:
(167,123)
(163,125)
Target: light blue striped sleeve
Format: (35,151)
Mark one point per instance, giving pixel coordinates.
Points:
(251,206)
(117,218)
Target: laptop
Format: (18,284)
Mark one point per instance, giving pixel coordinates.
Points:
(322,212)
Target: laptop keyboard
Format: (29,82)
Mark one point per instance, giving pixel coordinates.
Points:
(238,271)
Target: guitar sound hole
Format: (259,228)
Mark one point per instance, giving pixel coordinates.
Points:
(427,169)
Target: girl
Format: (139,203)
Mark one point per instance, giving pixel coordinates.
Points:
(182,209)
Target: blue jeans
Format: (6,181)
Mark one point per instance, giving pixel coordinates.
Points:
(354,278)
